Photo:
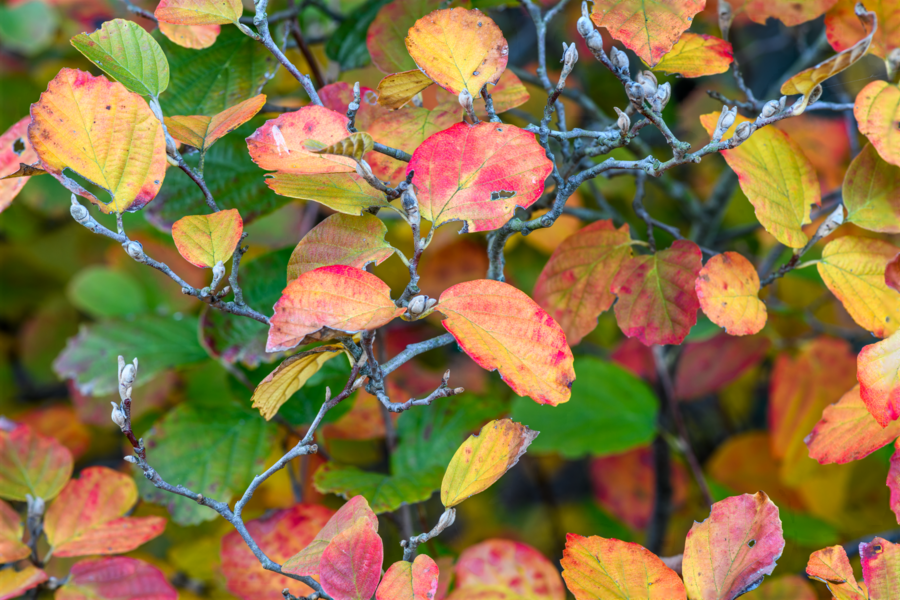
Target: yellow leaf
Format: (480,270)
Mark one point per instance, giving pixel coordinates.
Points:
(195,37)
(696,55)
(355,146)
(396,90)
(205,240)
(871,192)
(199,12)
(290,376)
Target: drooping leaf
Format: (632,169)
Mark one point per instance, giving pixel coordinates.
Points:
(199,12)
(831,566)
(13,583)
(195,37)
(115,578)
(777,178)
(338,96)
(33,464)
(497,563)
(844,29)
(574,286)
(206,240)
(598,420)
(15,150)
(387,33)
(729,553)
(280,535)
(355,146)
(696,55)
(127,53)
(406,130)
(595,567)
(853,269)
(12,548)
(483,459)
(394,91)
(459,49)
(478,174)
(351,563)
(650,28)
(871,192)
(81,119)
(877,109)
(706,367)
(201,132)
(290,376)
(503,329)
(881,568)
(347,45)
(788,12)
(329,301)
(417,580)
(346,193)
(657,302)
(728,290)
(878,372)
(341,240)
(88,516)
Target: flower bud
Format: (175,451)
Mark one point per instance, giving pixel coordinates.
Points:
(743,131)
(570,57)
(834,220)
(584,25)
(218,271)
(130,459)
(663,94)
(465,100)
(726,120)
(624,121)
(726,16)
(635,92)
(648,81)
(417,305)
(79,213)
(619,59)
(117,416)
(429,304)
(135,250)
(770,109)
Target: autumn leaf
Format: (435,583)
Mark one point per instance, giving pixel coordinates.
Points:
(351,564)
(341,240)
(386,36)
(892,273)
(596,567)
(122,130)
(729,553)
(728,290)
(33,464)
(405,580)
(195,37)
(128,54)
(831,566)
(777,178)
(12,548)
(843,27)
(650,28)
(878,371)
(708,366)
(201,131)
(291,375)
(115,578)
(483,459)
(871,192)
(507,564)
(346,193)
(15,149)
(88,517)
(696,55)
(574,285)
(503,329)
(338,96)
(206,240)
(509,93)
(199,12)
(327,302)
(478,174)
(394,91)
(657,302)
(459,49)
(881,568)
(853,269)
(789,12)
(785,587)
(877,110)
(406,130)
(13,583)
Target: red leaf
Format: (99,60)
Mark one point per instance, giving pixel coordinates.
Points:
(417,580)
(405,130)
(31,463)
(15,149)
(338,96)
(708,366)
(116,578)
(512,565)
(892,273)
(881,568)
(351,564)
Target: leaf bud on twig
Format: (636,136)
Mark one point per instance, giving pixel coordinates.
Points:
(726,120)
(619,59)
(663,94)
(117,416)
(648,81)
(584,25)
(624,121)
(834,220)
(570,57)
(726,16)
(770,109)
(468,104)
(743,131)
(135,250)
(635,93)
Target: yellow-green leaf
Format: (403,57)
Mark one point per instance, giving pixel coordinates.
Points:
(341,240)
(199,12)
(290,376)
(877,109)
(204,240)
(871,192)
(696,55)
(346,193)
(396,90)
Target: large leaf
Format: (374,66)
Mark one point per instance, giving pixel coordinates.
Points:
(877,109)
(844,29)
(206,240)
(199,12)
(406,130)
(12,548)
(881,568)
(871,192)
(728,290)
(417,580)
(351,564)
(102,132)
(696,55)
(347,45)
(505,564)
(201,132)
(15,149)
(115,578)
(341,240)
(611,411)
(32,464)
(290,376)
(386,37)
(878,372)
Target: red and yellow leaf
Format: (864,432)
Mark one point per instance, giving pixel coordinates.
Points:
(596,567)
(871,192)
(116,578)
(195,37)
(478,174)
(789,12)
(878,372)
(346,193)
(386,37)
(201,132)
(206,240)
(503,329)
(831,566)
(509,93)
(60,421)
(881,568)
(338,96)
(696,55)
(843,27)
(708,366)
(351,564)
(877,109)
(11,546)
(506,564)
(657,302)
(104,133)
(199,12)
(396,90)
(729,553)
(574,286)
(459,49)
(341,240)
(483,459)
(87,517)
(728,290)
(417,580)
(15,149)
(13,583)
(33,464)
(329,301)
(406,130)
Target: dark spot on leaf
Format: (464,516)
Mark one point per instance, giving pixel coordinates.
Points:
(751,543)
(108,107)
(18,146)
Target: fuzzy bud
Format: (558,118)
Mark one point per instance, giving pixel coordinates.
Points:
(35,505)
(726,120)
(726,16)
(663,94)
(117,416)
(135,250)
(447,519)
(364,170)
(570,57)
(624,121)
(635,92)
(130,459)
(466,101)
(648,81)
(771,109)
(584,24)
(619,59)
(743,131)
(417,305)
(429,304)
(219,270)
(79,213)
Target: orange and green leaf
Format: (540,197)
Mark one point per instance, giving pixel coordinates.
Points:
(341,240)
(832,567)
(507,564)
(14,583)
(15,150)
(871,192)
(696,55)
(351,564)
(201,131)
(115,578)
(33,464)
(199,12)
(881,568)
(386,36)
(404,580)
(395,90)
(195,37)
(291,375)
(12,548)
(877,110)
(843,27)
(206,240)
(878,372)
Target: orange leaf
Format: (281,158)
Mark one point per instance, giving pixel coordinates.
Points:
(881,568)
(853,269)
(696,55)
(31,463)
(115,578)
(478,174)
(843,28)
(201,132)
(396,90)
(459,49)
(831,566)
(341,240)
(574,286)
(483,459)
(104,133)
(878,371)
(387,33)
(596,567)
(507,94)
(206,240)
(11,546)
(406,130)
(499,564)
(291,375)
(15,149)
(729,553)
(306,562)
(648,27)
(789,12)
(503,329)
(195,37)
(728,290)
(786,587)
(877,109)
(199,12)
(657,302)
(338,96)
(279,535)
(87,518)
(351,564)
(417,580)
(847,432)
(13,583)
(871,192)
(328,302)
(706,367)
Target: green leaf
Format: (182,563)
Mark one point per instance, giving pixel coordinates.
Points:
(611,411)
(128,54)
(384,492)
(347,45)
(158,343)
(206,82)
(102,291)
(27,27)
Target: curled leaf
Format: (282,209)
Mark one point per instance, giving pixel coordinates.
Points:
(291,375)
(728,290)
(205,240)
(355,146)
(843,28)
(394,91)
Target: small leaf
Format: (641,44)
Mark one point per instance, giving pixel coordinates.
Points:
(201,132)
(844,29)
(728,290)
(871,192)
(831,566)
(87,518)
(346,193)
(195,37)
(351,564)
(459,49)
(128,54)
(503,329)
(291,375)
(115,578)
(33,464)
(881,568)
(499,564)
(728,554)
(417,580)
(12,548)
(341,240)
(396,90)
(877,109)
(328,302)
(206,240)
(386,36)
(483,459)
(14,584)
(789,12)
(696,55)
(199,12)
(708,366)
(355,146)
(15,150)
(878,371)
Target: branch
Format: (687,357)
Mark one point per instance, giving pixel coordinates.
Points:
(409,547)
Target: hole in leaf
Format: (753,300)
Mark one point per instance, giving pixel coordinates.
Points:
(18,146)
(501,195)
(751,543)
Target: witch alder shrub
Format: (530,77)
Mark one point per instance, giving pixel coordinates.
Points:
(585,187)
